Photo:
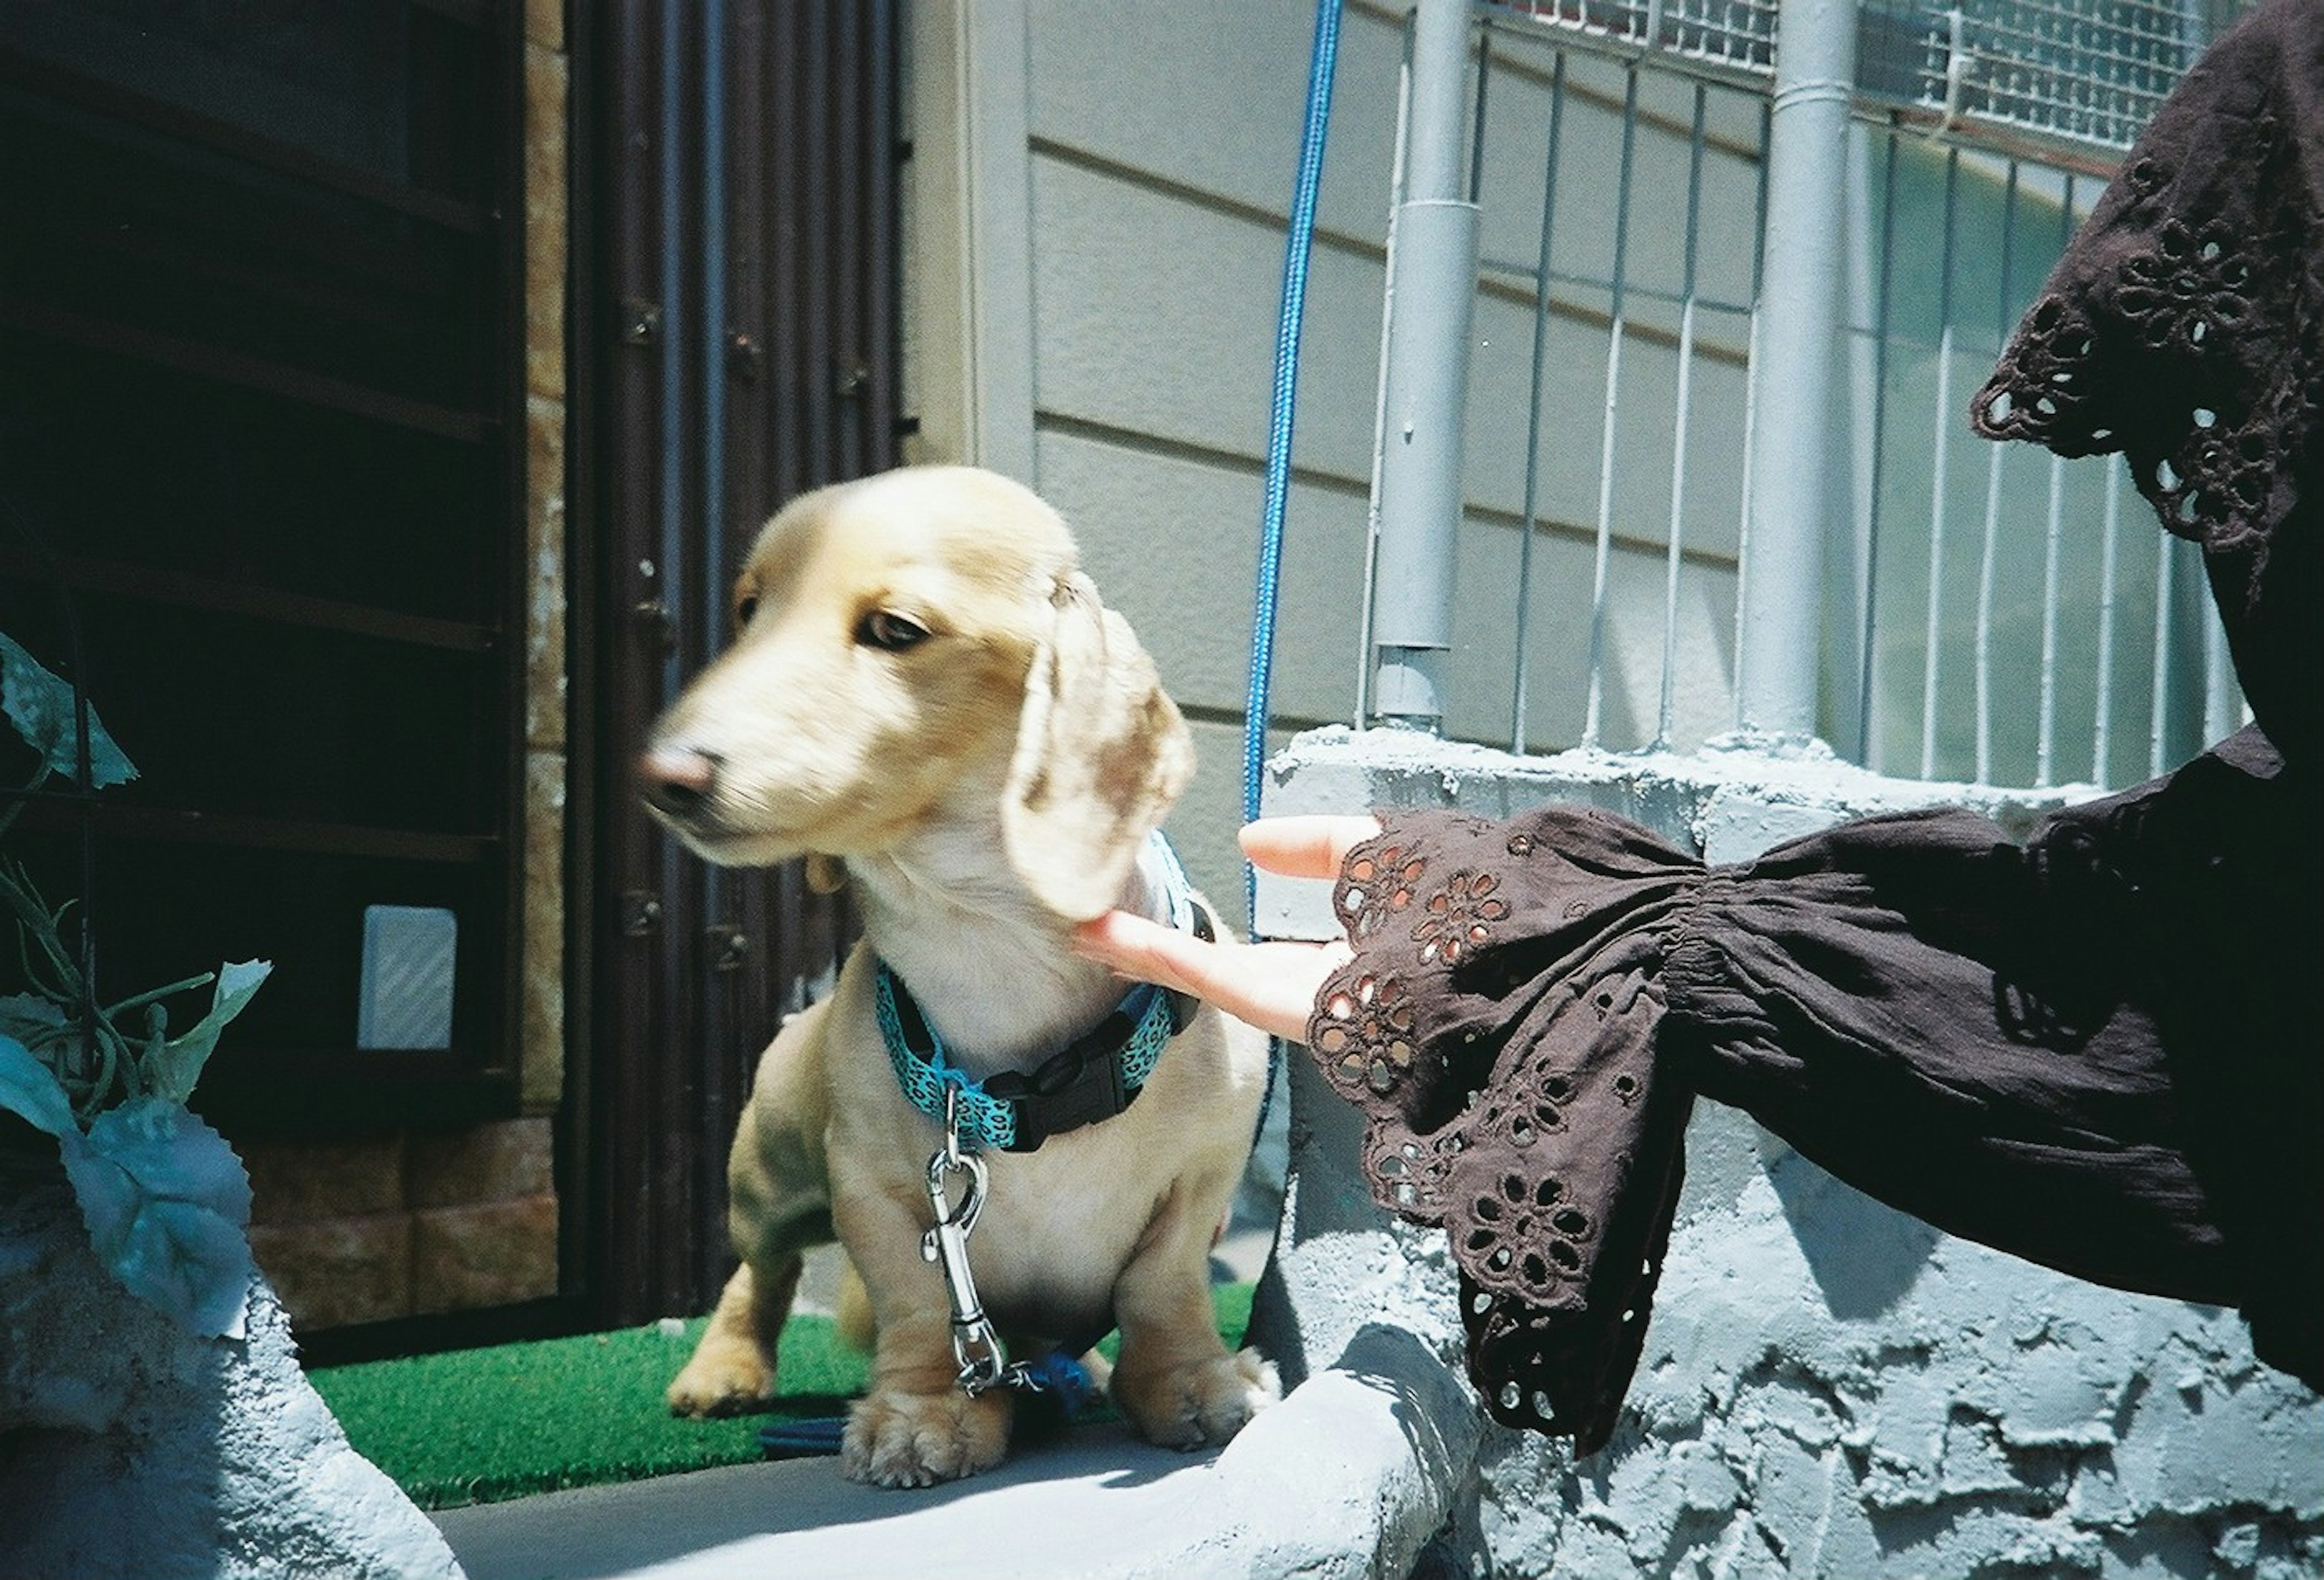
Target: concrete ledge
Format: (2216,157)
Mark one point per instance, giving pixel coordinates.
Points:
(1829,1388)
(1347,1477)
(1737,797)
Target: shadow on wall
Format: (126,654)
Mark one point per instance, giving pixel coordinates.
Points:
(1865,1256)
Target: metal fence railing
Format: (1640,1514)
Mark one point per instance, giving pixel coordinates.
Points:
(2090,72)
(1739,34)
(2020,619)
(1995,614)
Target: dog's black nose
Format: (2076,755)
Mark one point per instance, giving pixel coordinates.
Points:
(677,779)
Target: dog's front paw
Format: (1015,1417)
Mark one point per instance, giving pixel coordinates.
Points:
(918,1439)
(1201,1400)
(725,1377)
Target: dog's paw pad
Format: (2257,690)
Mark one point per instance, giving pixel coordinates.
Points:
(722,1386)
(1204,1401)
(918,1439)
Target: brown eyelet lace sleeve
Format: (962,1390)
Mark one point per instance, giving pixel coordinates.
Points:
(2184,327)
(1497,1026)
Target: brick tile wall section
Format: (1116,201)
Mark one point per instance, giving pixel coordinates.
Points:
(406,1225)
(548,236)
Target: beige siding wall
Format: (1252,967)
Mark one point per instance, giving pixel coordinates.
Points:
(1125,211)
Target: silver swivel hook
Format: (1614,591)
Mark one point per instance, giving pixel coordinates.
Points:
(983,1360)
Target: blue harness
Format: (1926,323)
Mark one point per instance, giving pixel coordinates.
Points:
(1096,1076)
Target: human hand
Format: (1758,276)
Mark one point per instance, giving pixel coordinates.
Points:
(1270,985)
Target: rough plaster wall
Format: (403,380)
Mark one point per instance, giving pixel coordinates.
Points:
(128,1447)
(1829,1387)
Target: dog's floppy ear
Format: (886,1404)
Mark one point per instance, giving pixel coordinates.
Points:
(1102,754)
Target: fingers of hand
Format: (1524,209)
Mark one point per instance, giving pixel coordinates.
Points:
(1306,846)
(1147,952)
(1270,985)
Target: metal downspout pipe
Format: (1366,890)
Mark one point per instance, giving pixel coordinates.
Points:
(1431,293)
(1796,395)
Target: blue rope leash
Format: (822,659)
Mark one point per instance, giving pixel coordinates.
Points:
(1297,248)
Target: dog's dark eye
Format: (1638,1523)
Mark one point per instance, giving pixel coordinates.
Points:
(745,608)
(892,632)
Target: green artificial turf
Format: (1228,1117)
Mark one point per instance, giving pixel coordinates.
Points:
(479,1426)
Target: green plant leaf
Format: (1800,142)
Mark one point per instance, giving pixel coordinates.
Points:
(28,1019)
(41,707)
(178,1064)
(30,1089)
(166,1202)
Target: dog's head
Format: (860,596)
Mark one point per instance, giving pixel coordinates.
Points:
(917,646)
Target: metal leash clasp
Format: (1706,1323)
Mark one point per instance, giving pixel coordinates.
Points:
(975,1345)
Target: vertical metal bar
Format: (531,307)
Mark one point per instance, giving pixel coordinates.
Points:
(1981,651)
(1743,594)
(2102,703)
(1679,424)
(1380,395)
(1942,450)
(1477,127)
(681,882)
(1869,625)
(1593,709)
(674,326)
(881,345)
(2222,700)
(1531,522)
(711,330)
(2045,742)
(2166,567)
(785,461)
(820,335)
(1989,553)
(1779,656)
(1420,492)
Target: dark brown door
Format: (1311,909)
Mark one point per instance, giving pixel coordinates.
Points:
(738,302)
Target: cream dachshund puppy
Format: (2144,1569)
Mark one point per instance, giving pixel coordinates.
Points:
(926,694)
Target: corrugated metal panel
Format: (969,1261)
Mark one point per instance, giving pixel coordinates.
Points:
(745,341)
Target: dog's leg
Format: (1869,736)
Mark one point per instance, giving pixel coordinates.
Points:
(915,1426)
(778,1206)
(918,1425)
(1176,1380)
(732,1372)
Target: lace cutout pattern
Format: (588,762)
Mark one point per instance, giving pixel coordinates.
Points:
(1458,918)
(1364,1028)
(1375,885)
(2182,327)
(1506,1095)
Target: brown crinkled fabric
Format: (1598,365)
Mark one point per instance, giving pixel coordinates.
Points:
(1497,1025)
(2184,327)
(2095,1050)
